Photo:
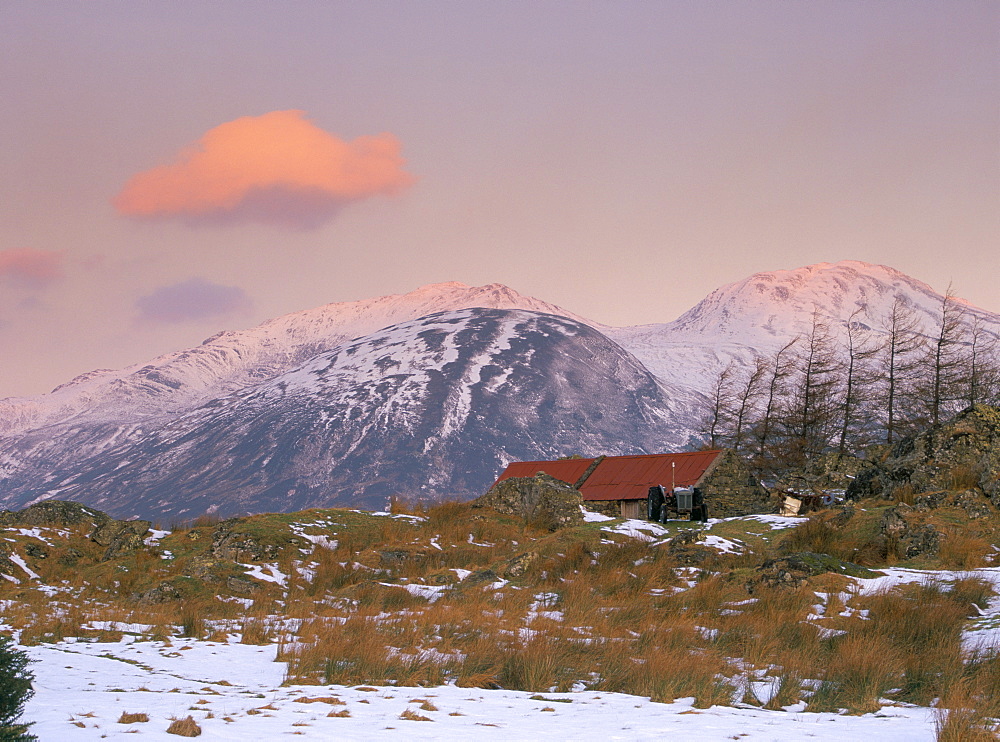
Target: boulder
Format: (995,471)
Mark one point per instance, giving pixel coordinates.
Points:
(235,545)
(481,576)
(120,536)
(35,551)
(519,564)
(162,593)
(398,557)
(71,557)
(539,499)
(107,531)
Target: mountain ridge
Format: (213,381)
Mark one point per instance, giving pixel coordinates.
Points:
(429,408)
(86,423)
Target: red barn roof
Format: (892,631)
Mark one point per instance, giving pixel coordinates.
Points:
(622,477)
(567,470)
(630,477)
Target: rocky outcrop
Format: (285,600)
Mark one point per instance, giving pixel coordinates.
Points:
(540,499)
(961,456)
(826,473)
(972,501)
(231,542)
(60,513)
(119,536)
(794,569)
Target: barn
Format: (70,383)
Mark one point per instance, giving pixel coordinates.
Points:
(619,485)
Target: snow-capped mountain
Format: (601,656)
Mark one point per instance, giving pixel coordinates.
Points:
(228,361)
(759,314)
(350,402)
(433,407)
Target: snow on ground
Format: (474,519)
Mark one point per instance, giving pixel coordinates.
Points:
(774,521)
(725,545)
(983,630)
(644,530)
(589,516)
(234,692)
(267,572)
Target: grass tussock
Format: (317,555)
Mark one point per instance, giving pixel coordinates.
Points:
(129,718)
(961,718)
(186,727)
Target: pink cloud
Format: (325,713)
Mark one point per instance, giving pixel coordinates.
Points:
(193,299)
(278,168)
(30,267)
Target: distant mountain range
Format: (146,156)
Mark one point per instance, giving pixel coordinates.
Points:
(422,395)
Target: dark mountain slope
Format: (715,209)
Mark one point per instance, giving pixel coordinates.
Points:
(429,408)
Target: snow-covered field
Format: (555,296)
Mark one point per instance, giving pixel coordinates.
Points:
(235,692)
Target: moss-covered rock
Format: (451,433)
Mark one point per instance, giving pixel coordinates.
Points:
(959,455)
(540,499)
(794,569)
(253,540)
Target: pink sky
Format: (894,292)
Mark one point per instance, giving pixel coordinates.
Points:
(171,169)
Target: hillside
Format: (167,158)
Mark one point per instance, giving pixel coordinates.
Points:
(329,621)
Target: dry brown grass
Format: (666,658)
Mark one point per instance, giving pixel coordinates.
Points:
(627,622)
(963,477)
(186,727)
(911,641)
(963,550)
(410,715)
(127,718)
(960,717)
(903,493)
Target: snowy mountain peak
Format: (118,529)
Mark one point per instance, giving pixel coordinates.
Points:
(229,360)
(759,314)
(780,302)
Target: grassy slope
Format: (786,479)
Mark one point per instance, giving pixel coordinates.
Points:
(469,596)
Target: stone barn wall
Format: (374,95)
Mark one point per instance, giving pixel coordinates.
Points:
(731,489)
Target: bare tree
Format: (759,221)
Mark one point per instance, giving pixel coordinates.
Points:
(943,361)
(981,371)
(776,376)
(809,413)
(747,398)
(898,361)
(857,381)
(719,413)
